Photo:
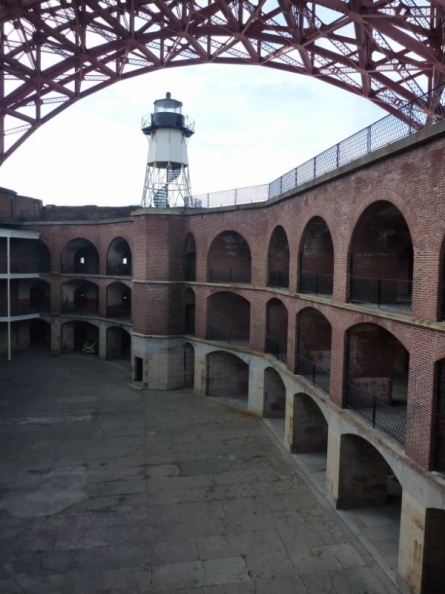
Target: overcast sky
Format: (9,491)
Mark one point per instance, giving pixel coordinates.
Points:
(252,125)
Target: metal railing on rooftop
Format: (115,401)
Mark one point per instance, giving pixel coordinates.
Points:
(410,118)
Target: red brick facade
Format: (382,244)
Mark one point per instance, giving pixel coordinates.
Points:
(382,220)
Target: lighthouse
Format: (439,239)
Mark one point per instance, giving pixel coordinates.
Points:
(167,180)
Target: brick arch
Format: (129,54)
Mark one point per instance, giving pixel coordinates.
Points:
(321,308)
(74,246)
(316,257)
(376,461)
(116,249)
(278,258)
(189,255)
(324,410)
(274,400)
(394,329)
(380,195)
(229,258)
(211,238)
(322,214)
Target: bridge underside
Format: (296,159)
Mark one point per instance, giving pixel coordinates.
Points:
(55,52)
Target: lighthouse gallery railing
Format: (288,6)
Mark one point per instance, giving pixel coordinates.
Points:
(409,119)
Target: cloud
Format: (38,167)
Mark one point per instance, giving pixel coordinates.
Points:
(252,125)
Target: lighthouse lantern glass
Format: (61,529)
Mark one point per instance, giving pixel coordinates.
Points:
(170,105)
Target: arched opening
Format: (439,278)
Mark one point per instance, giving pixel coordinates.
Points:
(40,334)
(441,286)
(119,261)
(314,338)
(309,426)
(80,337)
(368,485)
(118,344)
(316,269)
(278,259)
(26,256)
(80,256)
(377,380)
(228,378)
(189,366)
(433,574)
(381,259)
(80,298)
(228,318)
(274,405)
(276,331)
(119,301)
(189,312)
(41,258)
(229,259)
(438,450)
(40,297)
(28,296)
(190,259)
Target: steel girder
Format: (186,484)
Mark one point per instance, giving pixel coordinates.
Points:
(54,52)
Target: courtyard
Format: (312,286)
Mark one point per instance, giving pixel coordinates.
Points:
(109,489)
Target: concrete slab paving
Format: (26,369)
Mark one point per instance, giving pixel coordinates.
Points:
(107,489)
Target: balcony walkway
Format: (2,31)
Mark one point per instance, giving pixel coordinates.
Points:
(110,489)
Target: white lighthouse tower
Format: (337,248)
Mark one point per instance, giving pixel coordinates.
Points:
(167,181)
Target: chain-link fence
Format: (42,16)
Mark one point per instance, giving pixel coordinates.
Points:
(412,117)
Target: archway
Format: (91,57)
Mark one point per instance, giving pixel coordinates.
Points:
(278,259)
(433,575)
(369,486)
(229,259)
(274,405)
(119,301)
(80,298)
(309,426)
(276,330)
(80,337)
(377,380)
(118,344)
(119,260)
(313,353)
(381,258)
(190,259)
(438,449)
(228,318)
(227,377)
(316,260)
(40,334)
(41,258)
(80,256)
(189,311)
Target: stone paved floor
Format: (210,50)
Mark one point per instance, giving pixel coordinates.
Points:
(106,489)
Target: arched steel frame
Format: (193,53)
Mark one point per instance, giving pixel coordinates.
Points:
(55,52)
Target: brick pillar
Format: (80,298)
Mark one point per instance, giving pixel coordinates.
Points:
(338,366)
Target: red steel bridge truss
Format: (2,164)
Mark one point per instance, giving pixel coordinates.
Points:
(55,52)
